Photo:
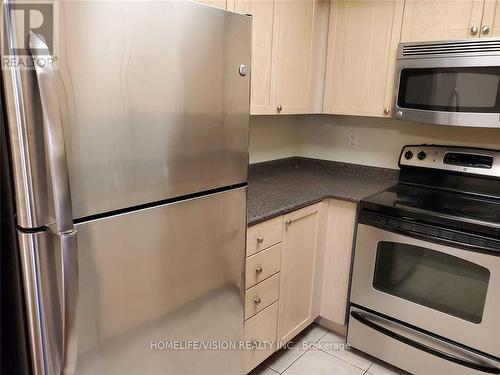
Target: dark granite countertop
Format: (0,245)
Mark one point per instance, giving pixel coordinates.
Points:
(281,186)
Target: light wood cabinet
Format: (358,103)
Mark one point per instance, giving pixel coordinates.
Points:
(311,280)
(263,235)
(300,238)
(362,46)
(337,260)
(491,18)
(434,20)
(260,331)
(288,55)
(261,295)
(263,54)
(262,281)
(222,4)
(262,265)
(295,20)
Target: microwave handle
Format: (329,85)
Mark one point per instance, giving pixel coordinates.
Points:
(417,345)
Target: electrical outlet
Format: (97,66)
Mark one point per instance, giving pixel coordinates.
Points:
(352,140)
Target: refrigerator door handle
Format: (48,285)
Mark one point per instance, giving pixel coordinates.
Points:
(56,150)
(69,342)
(54,137)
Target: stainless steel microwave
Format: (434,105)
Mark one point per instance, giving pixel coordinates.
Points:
(449,83)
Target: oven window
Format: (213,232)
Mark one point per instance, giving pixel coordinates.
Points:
(451,89)
(433,279)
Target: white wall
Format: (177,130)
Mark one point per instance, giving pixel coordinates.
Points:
(273,137)
(379,140)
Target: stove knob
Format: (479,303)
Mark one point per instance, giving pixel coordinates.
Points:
(408,155)
(421,155)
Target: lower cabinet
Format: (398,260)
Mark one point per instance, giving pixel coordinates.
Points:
(280,281)
(298,262)
(297,269)
(262,283)
(337,261)
(260,333)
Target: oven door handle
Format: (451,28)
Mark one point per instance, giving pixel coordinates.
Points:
(449,357)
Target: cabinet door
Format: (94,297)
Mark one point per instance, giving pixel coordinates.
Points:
(263,36)
(297,271)
(222,4)
(491,19)
(362,46)
(295,21)
(337,260)
(440,19)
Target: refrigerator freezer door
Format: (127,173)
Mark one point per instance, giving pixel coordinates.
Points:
(152,105)
(155,286)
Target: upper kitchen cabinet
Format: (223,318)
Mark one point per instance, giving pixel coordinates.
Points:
(262,52)
(299,56)
(490,26)
(362,44)
(288,55)
(222,4)
(442,20)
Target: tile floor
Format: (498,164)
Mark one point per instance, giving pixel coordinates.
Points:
(317,351)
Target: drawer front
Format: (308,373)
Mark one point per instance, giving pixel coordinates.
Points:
(262,265)
(261,295)
(263,235)
(261,328)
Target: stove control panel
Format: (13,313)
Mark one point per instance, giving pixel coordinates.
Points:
(452,158)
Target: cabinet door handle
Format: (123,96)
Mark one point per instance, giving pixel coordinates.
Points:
(485,29)
(288,222)
(474,30)
(258,270)
(260,239)
(257,300)
(279,108)
(387,110)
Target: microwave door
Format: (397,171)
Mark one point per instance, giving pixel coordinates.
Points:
(439,83)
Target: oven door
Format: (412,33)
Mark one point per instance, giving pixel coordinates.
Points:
(449,91)
(451,292)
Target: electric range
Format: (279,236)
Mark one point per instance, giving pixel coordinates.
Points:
(425,293)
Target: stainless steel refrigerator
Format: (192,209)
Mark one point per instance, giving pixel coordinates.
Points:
(129,165)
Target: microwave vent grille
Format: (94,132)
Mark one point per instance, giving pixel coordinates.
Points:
(472,47)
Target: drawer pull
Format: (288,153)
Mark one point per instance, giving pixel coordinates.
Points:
(258,270)
(260,239)
(257,301)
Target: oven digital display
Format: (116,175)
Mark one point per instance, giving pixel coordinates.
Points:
(433,279)
(468,160)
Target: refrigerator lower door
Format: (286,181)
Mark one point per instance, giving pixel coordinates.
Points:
(160,290)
